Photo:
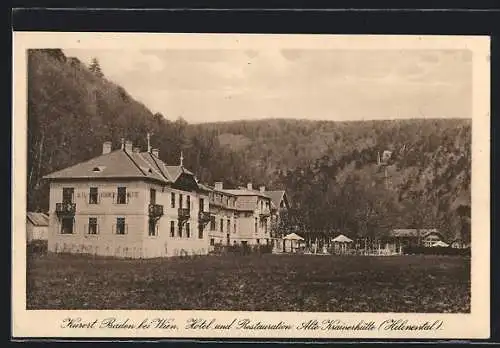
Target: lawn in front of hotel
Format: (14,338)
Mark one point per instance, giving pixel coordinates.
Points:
(412,283)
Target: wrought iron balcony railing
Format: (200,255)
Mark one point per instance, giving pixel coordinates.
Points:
(265,213)
(155,210)
(204,216)
(184,213)
(65,209)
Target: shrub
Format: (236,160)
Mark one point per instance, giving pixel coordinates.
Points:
(437,251)
(242,249)
(37,247)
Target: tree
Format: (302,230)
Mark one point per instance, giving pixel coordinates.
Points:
(95,67)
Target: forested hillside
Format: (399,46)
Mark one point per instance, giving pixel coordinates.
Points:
(329,169)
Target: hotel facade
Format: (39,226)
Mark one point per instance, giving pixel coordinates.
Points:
(129,203)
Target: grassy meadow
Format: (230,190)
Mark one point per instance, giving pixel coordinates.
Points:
(425,283)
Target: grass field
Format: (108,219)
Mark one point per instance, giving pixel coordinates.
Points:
(252,283)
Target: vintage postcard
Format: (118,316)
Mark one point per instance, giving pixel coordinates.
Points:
(250,186)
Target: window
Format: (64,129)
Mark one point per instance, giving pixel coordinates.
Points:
(120,226)
(172,200)
(68,194)
(67,226)
(212,223)
(188,230)
(93,195)
(172,229)
(180,201)
(228,226)
(221,225)
(261,205)
(152,196)
(200,232)
(234,227)
(179,231)
(152,228)
(201,204)
(255,226)
(122,195)
(188,202)
(258,241)
(212,242)
(92,225)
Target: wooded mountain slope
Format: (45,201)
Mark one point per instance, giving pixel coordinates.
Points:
(329,169)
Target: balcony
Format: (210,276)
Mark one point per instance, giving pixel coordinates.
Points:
(65,209)
(265,213)
(204,217)
(184,213)
(155,210)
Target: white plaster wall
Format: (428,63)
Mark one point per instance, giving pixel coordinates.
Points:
(38,233)
(136,243)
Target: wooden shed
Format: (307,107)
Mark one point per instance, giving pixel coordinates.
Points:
(37,226)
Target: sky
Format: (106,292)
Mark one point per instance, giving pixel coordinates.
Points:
(208,85)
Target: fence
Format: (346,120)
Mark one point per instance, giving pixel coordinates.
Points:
(436,251)
(241,249)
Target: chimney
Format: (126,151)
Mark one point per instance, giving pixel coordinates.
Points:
(262,188)
(249,186)
(136,149)
(106,147)
(128,146)
(218,185)
(156,152)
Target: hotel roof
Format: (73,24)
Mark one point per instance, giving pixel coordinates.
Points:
(246,192)
(122,164)
(276,197)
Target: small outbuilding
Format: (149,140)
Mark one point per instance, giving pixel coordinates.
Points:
(440,244)
(37,226)
(341,244)
(294,241)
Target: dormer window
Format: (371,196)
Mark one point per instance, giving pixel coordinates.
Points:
(98,169)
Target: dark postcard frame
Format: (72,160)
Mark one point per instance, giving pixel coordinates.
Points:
(480,20)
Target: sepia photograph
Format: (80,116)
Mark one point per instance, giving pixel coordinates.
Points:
(282,177)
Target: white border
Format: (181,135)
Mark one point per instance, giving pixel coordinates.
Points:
(46,323)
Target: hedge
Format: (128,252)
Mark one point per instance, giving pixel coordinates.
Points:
(242,249)
(437,251)
(37,246)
